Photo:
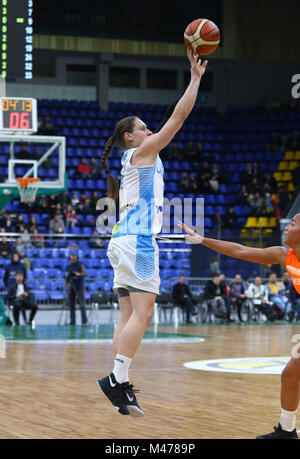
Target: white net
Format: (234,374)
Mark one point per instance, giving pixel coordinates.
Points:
(28,189)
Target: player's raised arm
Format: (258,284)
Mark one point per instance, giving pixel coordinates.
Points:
(268,256)
(154,143)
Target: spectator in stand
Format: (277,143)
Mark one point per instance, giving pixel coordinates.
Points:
(46,127)
(24,153)
(190,151)
(214,184)
(247,175)
(58,210)
(70,217)
(294,141)
(9,225)
(95,241)
(64,200)
(42,203)
(199,151)
(74,200)
(184,182)
(243,196)
(2,221)
(217,219)
(52,204)
(31,224)
(84,168)
(277,294)
(205,172)
(274,142)
(213,297)
(268,206)
(254,186)
(20,223)
(95,169)
(225,293)
(173,153)
(229,221)
(25,236)
(269,178)
(20,247)
(21,299)
(95,198)
(256,205)
(182,297)
(193,183)
(37,240)
(56,225)
(284,200)
(256,172)
(237,294)
(84,204)
(216,170)
(258,293)
(4,247)
(11,270)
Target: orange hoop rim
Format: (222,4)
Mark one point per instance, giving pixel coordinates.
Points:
(25,181)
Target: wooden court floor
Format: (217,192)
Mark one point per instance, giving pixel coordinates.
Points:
(50,391)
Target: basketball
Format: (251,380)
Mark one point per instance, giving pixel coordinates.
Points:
(202,36)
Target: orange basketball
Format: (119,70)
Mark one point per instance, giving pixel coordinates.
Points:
(202,36)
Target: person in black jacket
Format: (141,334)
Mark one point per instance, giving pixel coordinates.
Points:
(182,296)
(21,299)
(75,275)
(213,297)
(11,270)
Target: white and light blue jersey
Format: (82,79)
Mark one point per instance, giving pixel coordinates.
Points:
(141,198)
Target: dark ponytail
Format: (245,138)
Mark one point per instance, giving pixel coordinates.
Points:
(125,125)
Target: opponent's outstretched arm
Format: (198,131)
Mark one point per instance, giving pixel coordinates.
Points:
(268,256)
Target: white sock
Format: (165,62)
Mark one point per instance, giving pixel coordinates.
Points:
(288,420)
(121,368)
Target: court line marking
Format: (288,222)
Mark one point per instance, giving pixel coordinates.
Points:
(109,341)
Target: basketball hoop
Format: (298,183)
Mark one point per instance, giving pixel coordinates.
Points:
(27,187)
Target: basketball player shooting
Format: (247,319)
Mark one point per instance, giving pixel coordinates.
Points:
(290,260)
(133,251)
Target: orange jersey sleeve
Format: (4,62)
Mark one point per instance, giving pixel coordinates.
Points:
(292,266)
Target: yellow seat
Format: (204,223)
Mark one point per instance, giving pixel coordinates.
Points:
(278,176)
(272,222)
(283,166)
(297,155)
(293,165)
(251,222)
(287,177)
(291,187)
(289,155)
(263,222)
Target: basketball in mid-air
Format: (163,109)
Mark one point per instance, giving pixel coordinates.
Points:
(202,36)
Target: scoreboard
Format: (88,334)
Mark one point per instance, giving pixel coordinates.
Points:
(16,39)
(18,115)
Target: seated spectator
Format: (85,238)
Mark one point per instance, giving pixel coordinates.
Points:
(23,153)
(258,293)
(95,241)
(229,221)
(21,299)
(243,196)
(95,169)
(9,225)
(193,183)
(70,217)
(247,175)
(213,297)
(270,179)
(237,294)
(75,200)
(184,182)
(11,270)
(20,223)
(217,172)
(256,172)
(256,204)
(182,297)
(37,239)
(42,203)
(288,292)
(94,200)
(225,293)
(64,200)
(173,153)
(84,203)
(20,247)
(52,201)
(205,172)
(217,219)
(25,236)
(31,224)
(277,295)
(84,169)
(294,141)
(58,210)
(214,184)
(4,247)
(56,225)
(274,142)
(254,186)
(268,205)
(189,151)
(46,127)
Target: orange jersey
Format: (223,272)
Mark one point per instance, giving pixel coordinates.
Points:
(292,265)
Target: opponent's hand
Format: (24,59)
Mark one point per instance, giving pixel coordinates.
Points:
(197,69)
(191,235)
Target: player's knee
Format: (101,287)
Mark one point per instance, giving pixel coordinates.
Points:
(290,374)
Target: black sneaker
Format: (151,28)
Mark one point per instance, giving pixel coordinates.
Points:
(279,434)
(115,393)
(131,402)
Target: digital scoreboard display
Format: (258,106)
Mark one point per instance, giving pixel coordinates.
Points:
(16,39)
(18,114)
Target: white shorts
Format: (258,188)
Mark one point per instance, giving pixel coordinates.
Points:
(135,260)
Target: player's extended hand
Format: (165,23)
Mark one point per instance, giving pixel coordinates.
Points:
(190,234)
(197,69)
